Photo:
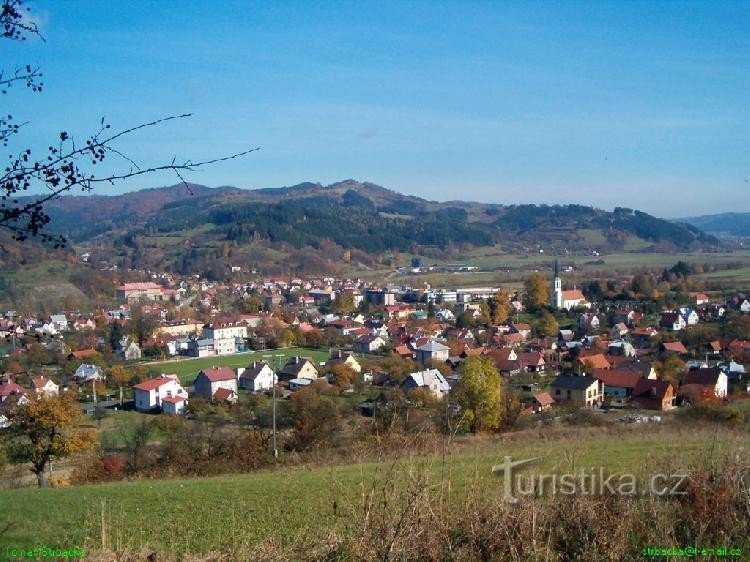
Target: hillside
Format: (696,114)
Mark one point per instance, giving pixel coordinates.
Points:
(261,515)
(733,224)
(307,228)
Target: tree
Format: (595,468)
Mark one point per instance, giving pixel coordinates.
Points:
(47,429)
(479,393)
(344,303)
(343,375)
(64,166)
(537,291)
(547,324)
(499,307)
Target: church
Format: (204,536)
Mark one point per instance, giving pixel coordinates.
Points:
(566,299)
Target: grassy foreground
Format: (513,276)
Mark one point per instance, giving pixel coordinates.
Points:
(292,504)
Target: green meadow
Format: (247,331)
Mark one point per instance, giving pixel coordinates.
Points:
(227,513)
(188,368)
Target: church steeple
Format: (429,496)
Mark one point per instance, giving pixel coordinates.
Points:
(556,296)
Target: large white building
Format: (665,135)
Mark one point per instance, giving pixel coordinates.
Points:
(150,394)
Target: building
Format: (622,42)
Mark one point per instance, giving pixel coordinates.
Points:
(431,379)
(44,386)
(380,298)
(654,395)
(573,298)
(712,380)
(342,358)
(174,405)
(298,368)
(133,292)
(432,351)
(256,377)
(87,373)
(227,337)
(210,380)
(149,395)
(583,391)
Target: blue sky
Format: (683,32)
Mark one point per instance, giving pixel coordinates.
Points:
(638,104)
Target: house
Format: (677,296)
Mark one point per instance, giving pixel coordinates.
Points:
(298,368)
(173,405)
(86,373)
(619,330)
(701,298)
(594,361)
(257,376)
(589,322)
(59,321)
(531,362)
(582,391)
(689,315)
(654,395)
(523,329)
(133,292)
(44,386)
(150,394)
(673,347)
(672,321)
(432,351)
(709,379)
(341,358)
(225,395)
(733,371)
(131,352)
(82,354)
(621,348)
(642,337)
(227,337)
(210,380)
(431,379)
(541,402)
(369,343)
(618,383)
(10,391)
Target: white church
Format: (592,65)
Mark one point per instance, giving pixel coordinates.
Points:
(566,299)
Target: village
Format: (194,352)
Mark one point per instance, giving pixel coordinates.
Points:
(566,350)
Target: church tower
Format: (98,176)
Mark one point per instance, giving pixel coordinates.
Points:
(556,288)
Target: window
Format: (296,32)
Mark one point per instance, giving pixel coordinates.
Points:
(557,392)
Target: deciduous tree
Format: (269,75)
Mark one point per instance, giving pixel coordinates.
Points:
(479,392)
(46,429)
(537,291)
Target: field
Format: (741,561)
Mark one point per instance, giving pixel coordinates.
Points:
(187,369)
(235,512)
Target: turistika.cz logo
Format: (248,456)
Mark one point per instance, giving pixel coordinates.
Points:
(593,481)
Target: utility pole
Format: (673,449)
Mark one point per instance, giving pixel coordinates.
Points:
(277,363)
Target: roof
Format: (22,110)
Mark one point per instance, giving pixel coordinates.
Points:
(618,378)
(675,347)
(573,295)
(39,382)
(173,399)
(597,360)
(254,369)
(8,387)
(152,384)
(702,377)
(544,398)
(433,346)
(651,389)
(426,378)
(216,374)
(573,382)
(138,286)
(80,354)
(224,393)
(295,364)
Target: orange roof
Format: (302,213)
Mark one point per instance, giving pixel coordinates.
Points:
(216,374)
(223,393)
(153,384)
(544,398)
(83,353)
(573,295)
(675,347)
(597,360)
(618,378)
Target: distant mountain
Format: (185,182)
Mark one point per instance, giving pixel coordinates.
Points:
(734,224)
(188,229)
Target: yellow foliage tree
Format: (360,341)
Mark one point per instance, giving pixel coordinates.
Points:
(47,429)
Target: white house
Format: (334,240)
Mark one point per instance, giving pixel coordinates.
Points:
(59,321)
(44,386)
(209,381)
(369,343)
(173,405)
(711,378)
(689,315)
(257,376)
(87,373)
(150,394)
(432,379)
(432,351)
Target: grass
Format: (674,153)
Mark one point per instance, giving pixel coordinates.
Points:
(188,368)
(200,515)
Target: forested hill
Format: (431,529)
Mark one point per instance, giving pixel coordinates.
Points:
(351,215)
(733,224)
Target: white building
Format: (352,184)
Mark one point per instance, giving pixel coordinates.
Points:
(150,394)
(257,376)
